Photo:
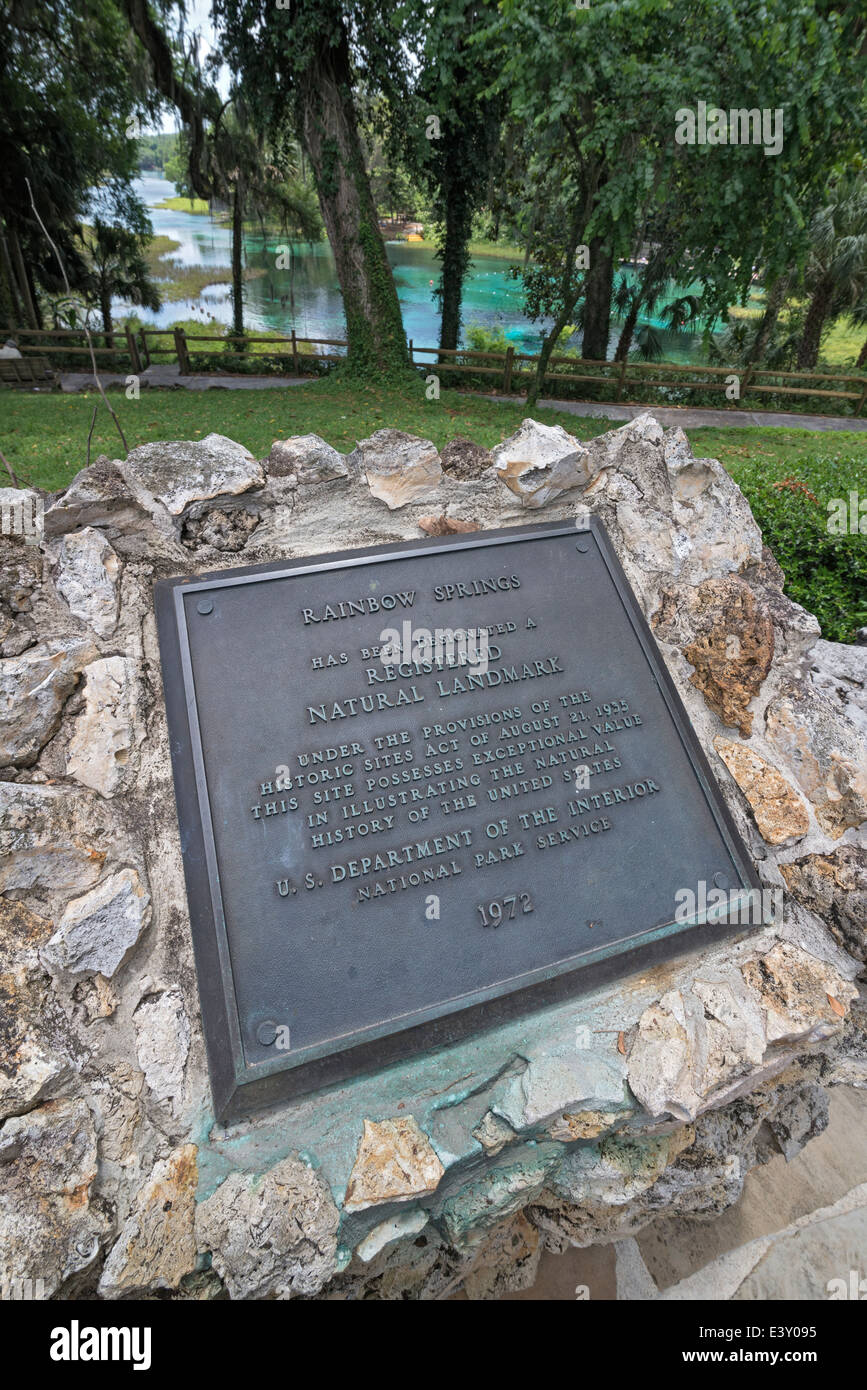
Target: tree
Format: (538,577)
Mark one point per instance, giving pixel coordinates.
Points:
(452,138)
(597,96)
(113,247)
(71,89)
(259,178)
(298,63)
(836,273)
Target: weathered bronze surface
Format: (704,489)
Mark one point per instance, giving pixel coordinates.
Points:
(382,855)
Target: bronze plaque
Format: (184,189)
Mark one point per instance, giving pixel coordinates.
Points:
(421,788)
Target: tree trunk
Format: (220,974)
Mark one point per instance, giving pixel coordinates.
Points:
(374,327)
(570,293)
(548,344)
(820,304)
(624,343)
(237,263)
(105,310)
(22,281)
(10,304)
(773,305)
(597,302)
(862,356)
(459,217)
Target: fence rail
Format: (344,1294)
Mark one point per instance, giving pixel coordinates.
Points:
(511,367)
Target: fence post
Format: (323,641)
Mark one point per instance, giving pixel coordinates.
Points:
(621,379)
(507,370)
(145,350)
(860,406)
(745,384)
(411,363)
(295,353)
(181,350)
(132,345)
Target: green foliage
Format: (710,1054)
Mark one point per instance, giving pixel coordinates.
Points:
(71,89)
(593,96)
(114,250)
(482,339)
(158,152)
(827,573)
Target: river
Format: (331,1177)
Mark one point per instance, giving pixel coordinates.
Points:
(492,298)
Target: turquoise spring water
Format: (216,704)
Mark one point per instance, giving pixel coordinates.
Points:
(492,298)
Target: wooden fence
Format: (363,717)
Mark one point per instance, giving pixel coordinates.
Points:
(511,369)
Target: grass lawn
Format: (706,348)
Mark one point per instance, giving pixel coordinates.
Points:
(197,205)
(44,437)
(478,249)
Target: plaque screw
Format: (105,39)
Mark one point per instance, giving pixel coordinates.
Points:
(721,880)
(582,547)
(205,605)
(267,1033)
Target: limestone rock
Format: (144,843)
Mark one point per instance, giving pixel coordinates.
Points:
(177,474)
(221,528)
(445,525)
(801,1118)
(508,1185)
(795,991)
(834,886)
(97,496)
(50,840)
(729,640)
(539,462)
(106,732)
(33,690)
(695,1045)
(20,579)
(619,1168)
(87,579)
(671,516)
(507,1262)
(33,1050)
(568,1124)
(118,1093)
(578,1077)
(611,1190)
(157,1245)
(272,1236)
(395,1162)
(462,458)
(824,739)
(585,1124)
(493,1133)
(48,1163)
(307,458)
(841,671)
(399,468)
(779,813)
(399,1227)
(162,1044)
(99,930)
